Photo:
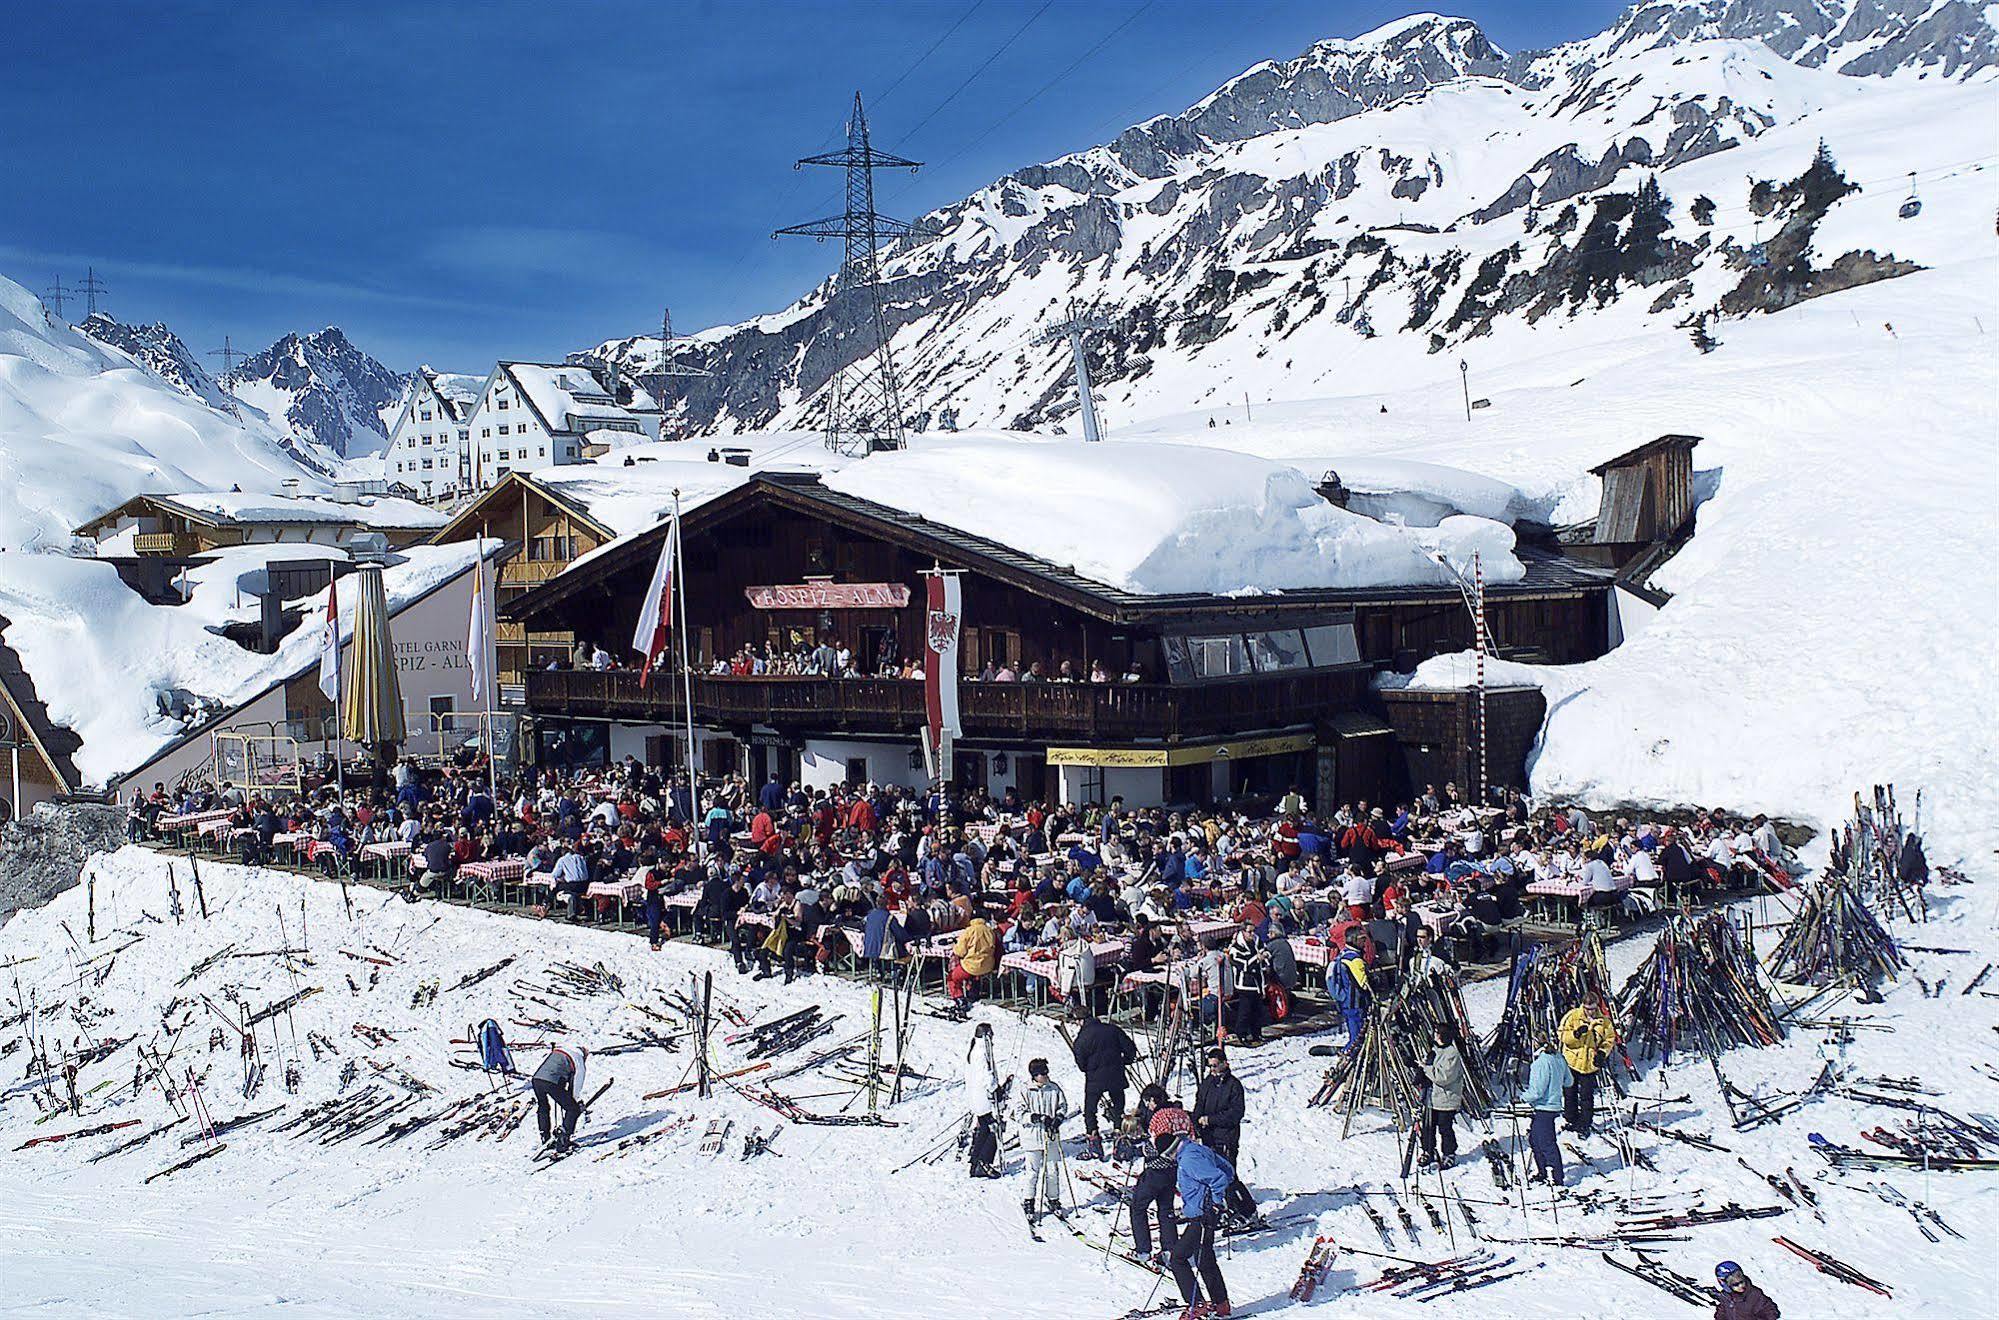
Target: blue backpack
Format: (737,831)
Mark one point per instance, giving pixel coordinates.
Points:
(493,1053)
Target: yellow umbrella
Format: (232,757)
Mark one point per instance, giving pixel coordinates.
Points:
(371,710)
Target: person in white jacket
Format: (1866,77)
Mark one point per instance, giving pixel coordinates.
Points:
(982,1091)
(1076,968)
(1042,1109)
(556,1083)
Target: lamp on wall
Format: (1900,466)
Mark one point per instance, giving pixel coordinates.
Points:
(999,763)
(916,758)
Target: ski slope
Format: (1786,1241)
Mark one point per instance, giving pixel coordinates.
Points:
(821,1227)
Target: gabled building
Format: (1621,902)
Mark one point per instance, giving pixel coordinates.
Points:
(188,523)
(532,415)
(1211,693)
(430,449)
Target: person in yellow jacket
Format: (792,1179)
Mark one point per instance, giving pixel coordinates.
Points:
(975,955)
(1588,1036)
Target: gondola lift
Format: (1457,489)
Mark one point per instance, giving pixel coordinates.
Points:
(1913,207)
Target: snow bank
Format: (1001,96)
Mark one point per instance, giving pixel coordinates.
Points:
(1424,494)
(99,653)
(369,510)
(1160,519)
(84,427)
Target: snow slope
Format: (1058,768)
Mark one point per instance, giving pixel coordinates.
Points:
(822,1227)
(1832,620)
(84,427)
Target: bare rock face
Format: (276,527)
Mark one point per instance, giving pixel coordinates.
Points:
(43,854)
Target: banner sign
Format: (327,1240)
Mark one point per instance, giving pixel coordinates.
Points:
(830,596)
(942,620)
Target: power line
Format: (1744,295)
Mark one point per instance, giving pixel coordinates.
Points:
(984,64)
(918,62)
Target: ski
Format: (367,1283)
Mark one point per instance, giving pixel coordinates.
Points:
(195,1158)
(1033,1223)
(99,1130)
(1833,1268)
(241,1120)
(758,1143)
(717,1133)
(1666,1280)
(1318,1260)
(1693,1139)
(474,978)
(1777,1185)
(1408,1220)
(1502,1172)
(136,1142)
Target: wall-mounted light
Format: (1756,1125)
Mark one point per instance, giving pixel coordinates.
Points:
(999,763)
(916,759)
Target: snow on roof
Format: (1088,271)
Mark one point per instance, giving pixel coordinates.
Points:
(99,653)
(457,388)
(1159,519)
(570,397)
(629,500)
(231,506)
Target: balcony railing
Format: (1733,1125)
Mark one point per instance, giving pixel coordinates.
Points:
(1092,711)
(165,543)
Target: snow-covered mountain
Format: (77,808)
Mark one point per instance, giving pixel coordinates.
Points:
(1379,201)
(160,350)
(324,390)
(86,423)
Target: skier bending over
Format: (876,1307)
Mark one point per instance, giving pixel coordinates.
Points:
(1204,1179)
(1740,1299)
(558,1080)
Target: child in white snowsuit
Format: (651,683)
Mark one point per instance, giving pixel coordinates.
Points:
(1042,1109)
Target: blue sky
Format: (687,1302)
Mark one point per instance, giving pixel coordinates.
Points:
(455,183)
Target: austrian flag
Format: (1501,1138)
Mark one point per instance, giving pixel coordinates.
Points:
(942,623)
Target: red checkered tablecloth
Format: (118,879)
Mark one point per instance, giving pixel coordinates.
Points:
(500,871)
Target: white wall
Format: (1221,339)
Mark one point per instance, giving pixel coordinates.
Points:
(1139,786)
(413,440)
(630,740)
(824,762)
(1628,615)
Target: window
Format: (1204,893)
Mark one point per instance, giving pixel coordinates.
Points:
(1275,651)
(485,433)
(504,405)
(423,416)
(426,465)
(1218,657)
(551,549)
(503,428)
(440,715)
(1332,644)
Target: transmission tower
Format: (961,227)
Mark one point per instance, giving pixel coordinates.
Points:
(666,369)
(228,353)
(864,398)
(1078,324)
(92,288)
(56,296)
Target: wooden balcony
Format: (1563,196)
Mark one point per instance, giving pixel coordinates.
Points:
(531,572)
(176,544)
(1092,712)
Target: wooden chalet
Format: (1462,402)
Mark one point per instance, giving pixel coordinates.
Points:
(1235,695)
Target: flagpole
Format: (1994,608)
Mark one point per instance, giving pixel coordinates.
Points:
(339,681)
(686,677)
(488,607)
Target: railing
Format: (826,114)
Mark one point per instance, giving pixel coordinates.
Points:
(531,570)
(1103,711)
(165,543)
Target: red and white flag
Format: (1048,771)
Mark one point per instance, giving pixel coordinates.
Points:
(329,645)
(656,612)
(942,617)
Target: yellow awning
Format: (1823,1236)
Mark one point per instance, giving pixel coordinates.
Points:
(1138,757)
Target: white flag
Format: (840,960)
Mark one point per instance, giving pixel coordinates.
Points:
(329,646)
(479,639)
(656,611)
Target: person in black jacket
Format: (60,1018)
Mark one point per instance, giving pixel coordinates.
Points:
(1103,1051)
(1218,1115)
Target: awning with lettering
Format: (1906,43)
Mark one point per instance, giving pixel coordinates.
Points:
(1180,754)
(829,596)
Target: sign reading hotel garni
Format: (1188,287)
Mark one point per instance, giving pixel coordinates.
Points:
(829,596)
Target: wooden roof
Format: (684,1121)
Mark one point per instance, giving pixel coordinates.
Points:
(1645,451)
(462,521)
(56,742)
(802,493)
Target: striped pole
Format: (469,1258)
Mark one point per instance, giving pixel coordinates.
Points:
(1478,646)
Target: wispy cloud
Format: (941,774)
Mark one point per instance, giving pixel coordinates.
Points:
(588,256)
(242,278)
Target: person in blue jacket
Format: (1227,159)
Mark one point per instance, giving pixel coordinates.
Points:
(876,935)
(1204,1178)
(1546,1081)
(1346,983)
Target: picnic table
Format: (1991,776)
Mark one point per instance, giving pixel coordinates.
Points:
(493,876)
(1570,889)
(384,854)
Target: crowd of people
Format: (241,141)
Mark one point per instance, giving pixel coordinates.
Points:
(831,657)
(1203,912)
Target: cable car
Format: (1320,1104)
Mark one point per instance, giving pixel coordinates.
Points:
(1913,207)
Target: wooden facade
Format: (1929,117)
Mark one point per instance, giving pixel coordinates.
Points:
(168,530)
(1017,610)
(544,535)
(1648,493)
